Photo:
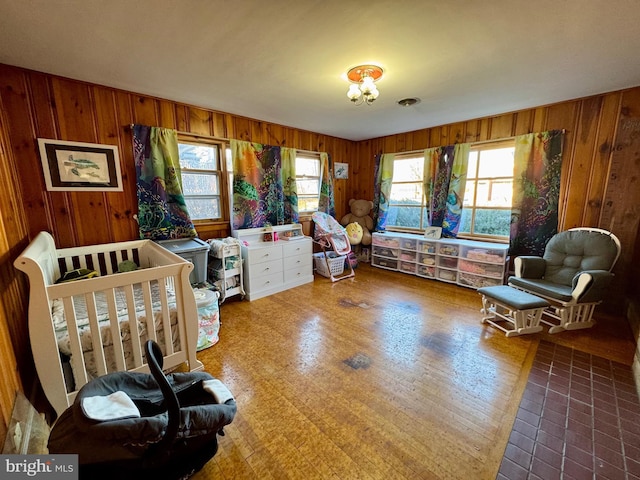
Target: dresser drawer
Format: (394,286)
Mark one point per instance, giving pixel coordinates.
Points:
(264,268)
(263,254)
(261,282)
(296,261)
(297,273)
(296,247)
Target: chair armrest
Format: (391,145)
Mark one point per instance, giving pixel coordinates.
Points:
(529,266)
(590,285)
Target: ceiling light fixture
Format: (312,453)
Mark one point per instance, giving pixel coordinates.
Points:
(363,88)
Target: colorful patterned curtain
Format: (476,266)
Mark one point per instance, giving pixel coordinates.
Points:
(536,191)
(289,185)
(445,178)
(162,212)
(327,199)
(264,189)
(383,173)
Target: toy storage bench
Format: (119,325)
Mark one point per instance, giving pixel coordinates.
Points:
(508,305)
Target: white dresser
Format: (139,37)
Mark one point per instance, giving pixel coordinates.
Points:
(274,266)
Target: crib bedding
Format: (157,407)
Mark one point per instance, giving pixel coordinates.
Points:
(85,334)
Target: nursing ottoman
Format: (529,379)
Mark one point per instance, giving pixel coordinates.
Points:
(511,310)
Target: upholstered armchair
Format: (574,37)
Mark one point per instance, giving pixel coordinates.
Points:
(573,275)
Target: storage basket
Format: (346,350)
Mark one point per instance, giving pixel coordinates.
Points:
(336,263)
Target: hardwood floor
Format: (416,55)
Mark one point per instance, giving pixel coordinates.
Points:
(383,376)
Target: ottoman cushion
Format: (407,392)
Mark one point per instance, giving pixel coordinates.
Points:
(513,297)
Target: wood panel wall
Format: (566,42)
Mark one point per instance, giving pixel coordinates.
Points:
(12,287)
(600,184)
(37,105)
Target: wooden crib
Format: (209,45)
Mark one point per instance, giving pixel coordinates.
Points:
(89,318)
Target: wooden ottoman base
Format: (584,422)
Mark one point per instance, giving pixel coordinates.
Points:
(511,310)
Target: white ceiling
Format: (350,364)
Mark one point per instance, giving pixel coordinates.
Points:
(284,61)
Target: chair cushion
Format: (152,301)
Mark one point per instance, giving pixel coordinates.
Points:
(570,252)
(543,287)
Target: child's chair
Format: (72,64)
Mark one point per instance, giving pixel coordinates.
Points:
(329,234)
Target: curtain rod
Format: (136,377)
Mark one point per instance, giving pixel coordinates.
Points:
(189,134)
(220,139)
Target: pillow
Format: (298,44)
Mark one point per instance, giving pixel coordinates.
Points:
(77,274)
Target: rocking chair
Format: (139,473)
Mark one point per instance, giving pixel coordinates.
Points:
(573,275)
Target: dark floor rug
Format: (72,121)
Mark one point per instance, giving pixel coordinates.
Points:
(579,418)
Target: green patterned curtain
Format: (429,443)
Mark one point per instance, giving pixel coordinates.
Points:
(327,200)
(289,185)
(382,189)
(162,212)
(445,178)
(536,191)
(264,187)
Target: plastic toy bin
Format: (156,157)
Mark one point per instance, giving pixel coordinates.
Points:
(195,251)
(336,264)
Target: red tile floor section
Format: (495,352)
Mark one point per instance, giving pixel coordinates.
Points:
(579,418)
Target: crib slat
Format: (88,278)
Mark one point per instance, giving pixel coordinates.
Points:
(96,337)
(148,310)
(179,295)
(77,358)
(166,317)
(134,333)
(118,354)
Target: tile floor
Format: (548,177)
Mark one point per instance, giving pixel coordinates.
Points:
(579,418)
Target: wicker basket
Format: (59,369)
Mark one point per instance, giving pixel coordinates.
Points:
(336,263)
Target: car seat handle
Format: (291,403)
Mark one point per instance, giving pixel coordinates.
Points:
(155,362)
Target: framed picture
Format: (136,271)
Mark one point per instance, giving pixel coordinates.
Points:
(433,233)
(341,171)
(80,166)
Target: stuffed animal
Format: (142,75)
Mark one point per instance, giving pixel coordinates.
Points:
(360,214)
(354,232)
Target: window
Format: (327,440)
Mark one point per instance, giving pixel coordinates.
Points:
(308,182)
(407,209)
(486,209)
(202,179)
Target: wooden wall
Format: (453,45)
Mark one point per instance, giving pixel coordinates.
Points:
(12,287)
(600,184)
(600,129)
(44,106)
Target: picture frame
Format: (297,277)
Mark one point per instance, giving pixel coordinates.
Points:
(77,166)
(433,233)
(341,171)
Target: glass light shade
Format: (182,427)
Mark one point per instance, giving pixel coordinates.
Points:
(367,85)
(353,93)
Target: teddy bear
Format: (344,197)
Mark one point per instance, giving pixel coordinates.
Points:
(360,214)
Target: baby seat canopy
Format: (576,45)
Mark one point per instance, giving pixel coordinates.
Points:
(330,234)
(173,436)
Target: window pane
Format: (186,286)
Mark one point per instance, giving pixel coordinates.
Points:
(473,165)
(469,190)
(200,184)
(408,170)
(203,208)
(203,157)
(406,193)
(465,220)
(307,204)
(496,163)
(307,187)
(494,193)
(405,216)
(309,167)
(492,222)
